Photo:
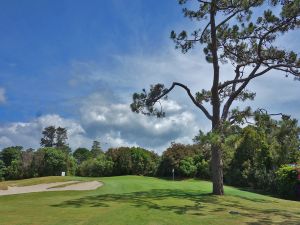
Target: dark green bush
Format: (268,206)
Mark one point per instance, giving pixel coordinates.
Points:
(286,181)
(133,161)
(96,167)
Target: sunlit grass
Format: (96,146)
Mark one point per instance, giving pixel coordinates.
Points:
(138,200)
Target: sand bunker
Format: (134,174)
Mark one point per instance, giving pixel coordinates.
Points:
(71,186)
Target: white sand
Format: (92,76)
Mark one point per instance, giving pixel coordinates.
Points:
(82,186)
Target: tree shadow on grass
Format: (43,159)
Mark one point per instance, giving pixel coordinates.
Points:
(147,199)
(189,202)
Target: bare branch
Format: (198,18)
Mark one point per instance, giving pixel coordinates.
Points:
(237,92)
(200,106)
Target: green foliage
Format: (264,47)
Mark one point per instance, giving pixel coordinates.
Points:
(203,167)
(51,162)
(81,154)
(252,154)
(183,159)
(10,154)
(13,171)
(55,162)
(27,169)
(96,149)
(187,167)
(286,180)
(71,165)
(145,102)
(2,170)
(96,167)
(133,161)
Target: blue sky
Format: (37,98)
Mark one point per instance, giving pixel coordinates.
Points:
(41,39)
(75,63)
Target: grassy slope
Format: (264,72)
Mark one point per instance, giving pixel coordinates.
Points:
(142,200)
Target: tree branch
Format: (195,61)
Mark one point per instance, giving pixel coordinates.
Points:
(238,91)
(200,106)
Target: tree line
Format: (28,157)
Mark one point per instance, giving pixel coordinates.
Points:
(262,154)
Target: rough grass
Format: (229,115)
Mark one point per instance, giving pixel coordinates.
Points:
(146,201)
(3,186)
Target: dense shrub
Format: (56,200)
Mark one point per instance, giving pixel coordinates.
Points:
(96,167)
(202,167)
(55,162)
(133,161)
(251,161)
(172,157)
(187,167)
(71,166)
(82,154)
(286,181)
(10,154)
(13,171)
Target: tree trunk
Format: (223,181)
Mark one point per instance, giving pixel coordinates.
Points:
(217,169)
(216,160)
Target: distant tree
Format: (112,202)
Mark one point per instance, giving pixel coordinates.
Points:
(71,165)
(230,33)
(38,164)
(2,170)
(49,135)
(55,162)
(144,162)
(287,135)
(10,154)
(171,158)
(27,163)
(82,154)
(52,161)
(133,161)
(96,167)
(187,167)
(55,137)
(252,155)
(14,170)
(96,149)
(61,137)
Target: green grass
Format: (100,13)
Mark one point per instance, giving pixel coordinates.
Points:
(137,200)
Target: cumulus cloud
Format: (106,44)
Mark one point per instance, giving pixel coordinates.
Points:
(115,124)
(29,134)
(2,95)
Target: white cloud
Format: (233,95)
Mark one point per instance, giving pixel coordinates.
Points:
(29,134)
(115,124)
(2,95)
